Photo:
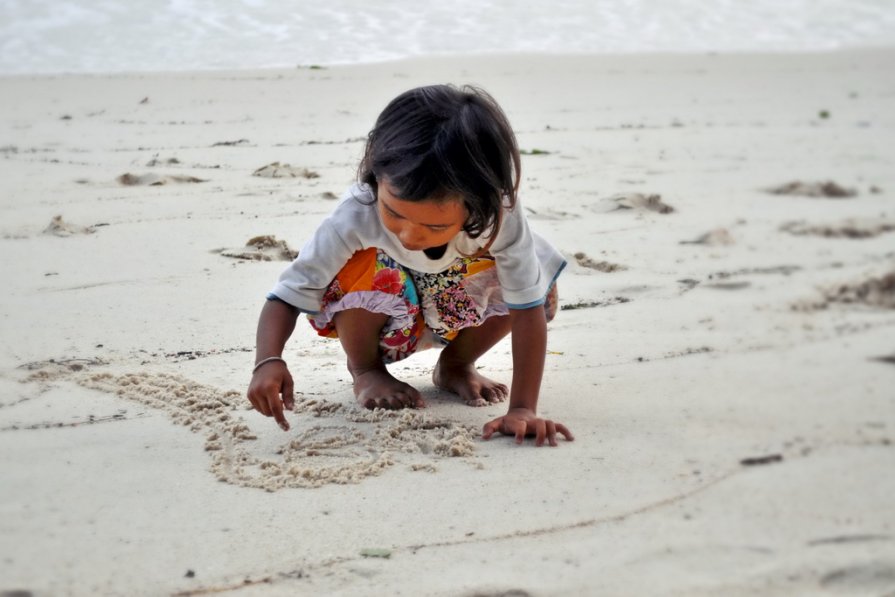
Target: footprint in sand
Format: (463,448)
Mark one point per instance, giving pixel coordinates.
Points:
(155,180)
(850,228)
(278,170)
(261,248)
(827,189)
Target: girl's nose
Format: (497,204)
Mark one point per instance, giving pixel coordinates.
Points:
(412,238)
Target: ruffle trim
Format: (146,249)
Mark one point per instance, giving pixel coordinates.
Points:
(374,301)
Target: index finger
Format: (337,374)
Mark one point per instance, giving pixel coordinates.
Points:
(276,407)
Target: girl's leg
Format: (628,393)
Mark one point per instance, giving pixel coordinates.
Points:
(359,331)
(456,372)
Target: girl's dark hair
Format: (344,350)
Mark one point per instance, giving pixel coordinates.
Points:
(433,141)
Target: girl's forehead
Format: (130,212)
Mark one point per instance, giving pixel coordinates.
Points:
(386,191)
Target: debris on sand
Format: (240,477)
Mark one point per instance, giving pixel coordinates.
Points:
(155,180)
(828,189)
(262,248)
(601,266)
(761,460)
(59,227)
(641,202)
(278,170)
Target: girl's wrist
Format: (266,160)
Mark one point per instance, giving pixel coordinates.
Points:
(263,362)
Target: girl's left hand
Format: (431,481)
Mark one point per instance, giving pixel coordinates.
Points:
(522,422)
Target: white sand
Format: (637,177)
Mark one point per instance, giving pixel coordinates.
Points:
(739,324)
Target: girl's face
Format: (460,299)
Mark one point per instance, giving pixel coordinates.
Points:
(420,224)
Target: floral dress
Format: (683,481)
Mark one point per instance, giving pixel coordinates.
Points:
(425,310)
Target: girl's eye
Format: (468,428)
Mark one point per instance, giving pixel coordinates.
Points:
(437,228)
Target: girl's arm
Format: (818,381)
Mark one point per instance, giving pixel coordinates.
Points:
(529,342)
(272,379)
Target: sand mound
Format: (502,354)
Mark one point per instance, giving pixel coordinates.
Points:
(875,292)
(827,189)
(262,248)
(278,170)
(155,180)
(845,229)
(641,202)
(59,227)
(331,442)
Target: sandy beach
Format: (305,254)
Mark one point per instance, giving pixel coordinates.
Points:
(724,353)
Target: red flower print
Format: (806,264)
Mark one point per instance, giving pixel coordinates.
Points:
(388,280)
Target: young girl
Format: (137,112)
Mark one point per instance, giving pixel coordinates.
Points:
(431,248)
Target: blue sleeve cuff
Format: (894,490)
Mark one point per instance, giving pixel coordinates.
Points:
(541,300)
(272,297)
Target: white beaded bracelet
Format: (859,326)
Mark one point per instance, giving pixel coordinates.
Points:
(267,360)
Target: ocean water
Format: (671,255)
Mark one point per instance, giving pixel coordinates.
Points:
(53,36)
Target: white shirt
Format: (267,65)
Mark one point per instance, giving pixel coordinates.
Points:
(527,265)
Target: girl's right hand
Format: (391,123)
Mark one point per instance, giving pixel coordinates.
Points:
(268,384)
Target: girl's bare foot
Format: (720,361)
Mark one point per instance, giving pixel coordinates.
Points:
(377,388)
(463,379)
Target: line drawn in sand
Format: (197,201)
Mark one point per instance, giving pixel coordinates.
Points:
(333,442)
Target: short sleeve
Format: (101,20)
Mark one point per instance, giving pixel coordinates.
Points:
(527,265)
(304,282)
